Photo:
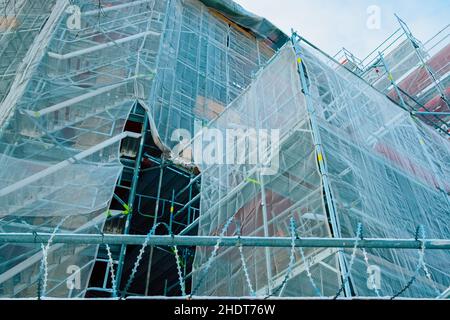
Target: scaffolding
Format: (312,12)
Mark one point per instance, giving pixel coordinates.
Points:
(338,167)
(146,67)
(412,73)
(88,177)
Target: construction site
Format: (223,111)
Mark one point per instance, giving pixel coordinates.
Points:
(97,200)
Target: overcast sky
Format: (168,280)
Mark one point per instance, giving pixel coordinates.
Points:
(333,24)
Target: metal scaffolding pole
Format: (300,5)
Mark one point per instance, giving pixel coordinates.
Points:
(131,197)
(155,221)
(416,114)
(430,113)
(266,233)
(445,294)
(210,241)
(438,84)
(320,157)
(360,77)
(421,142)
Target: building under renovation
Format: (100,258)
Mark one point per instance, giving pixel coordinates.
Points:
(97,201)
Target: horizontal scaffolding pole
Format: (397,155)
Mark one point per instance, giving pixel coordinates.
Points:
(105,9)
(70,102)
(101,46)
(429,113)
(210,241)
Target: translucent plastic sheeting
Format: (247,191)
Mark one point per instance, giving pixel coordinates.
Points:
(387,171)
(20,22)
(69,266)
(206,61)
(76,90)
(273,101)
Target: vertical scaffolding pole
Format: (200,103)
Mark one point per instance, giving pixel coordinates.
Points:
(151,103)
(393,83)
(295,39)
(131,197)
(155,221)
(190,199)
(266,232)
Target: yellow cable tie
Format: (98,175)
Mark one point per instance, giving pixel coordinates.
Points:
(171,209)
(320,157)
(127,209)
(299,60)
(390,77)
(252,181)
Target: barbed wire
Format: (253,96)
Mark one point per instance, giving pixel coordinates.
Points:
(111,270)
(424,265)
(138,261)
(281,287)
(110,261)
(43,270)
(244,264)
(291,262)
(211,258)
(308,273)
(420,264)
(366,260)
(180,274)
(352,261)
(141,253)
(43,276)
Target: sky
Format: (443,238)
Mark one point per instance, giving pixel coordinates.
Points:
(353,24)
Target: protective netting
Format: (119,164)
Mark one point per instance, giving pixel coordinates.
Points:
(62,121)
(205,63)
(387,171)
(68,91)
(20,22)
(79,68)
(273,101)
